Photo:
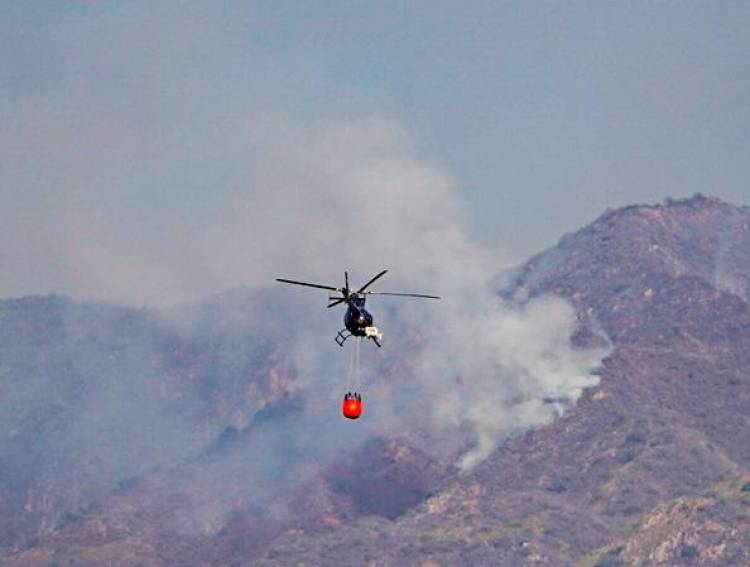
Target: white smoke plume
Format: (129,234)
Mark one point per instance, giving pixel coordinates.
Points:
(143,179)
(370,203)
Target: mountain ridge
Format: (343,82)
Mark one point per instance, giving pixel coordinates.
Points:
(667,420)
(658,447)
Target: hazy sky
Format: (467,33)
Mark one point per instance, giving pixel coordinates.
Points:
(139,139)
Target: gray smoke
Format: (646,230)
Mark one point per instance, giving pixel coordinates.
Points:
(141,177)
(355,196)
(480,363)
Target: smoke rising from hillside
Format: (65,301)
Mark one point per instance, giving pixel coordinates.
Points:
(354,196)
(369,203)
(137,177)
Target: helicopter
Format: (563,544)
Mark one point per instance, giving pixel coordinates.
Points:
(357,320)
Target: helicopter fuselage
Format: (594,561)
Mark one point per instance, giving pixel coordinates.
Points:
(357,319)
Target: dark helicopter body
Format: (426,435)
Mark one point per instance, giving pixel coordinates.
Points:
(357,318)
(358,322)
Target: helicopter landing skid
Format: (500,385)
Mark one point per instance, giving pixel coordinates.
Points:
(341,337)
(370,332)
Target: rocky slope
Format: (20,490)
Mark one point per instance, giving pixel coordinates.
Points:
(649,467)
(140,438)
(652,467)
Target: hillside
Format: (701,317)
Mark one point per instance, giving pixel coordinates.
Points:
(649,467)
(144,438)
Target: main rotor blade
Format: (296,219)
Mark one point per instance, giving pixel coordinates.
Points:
(380,275)
(346,282)
(336,302)
(308,284)
(404,294)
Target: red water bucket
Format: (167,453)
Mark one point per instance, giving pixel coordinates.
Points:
(352,407)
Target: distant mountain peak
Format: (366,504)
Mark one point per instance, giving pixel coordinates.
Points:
(691,209)
(700,236)
(697,201)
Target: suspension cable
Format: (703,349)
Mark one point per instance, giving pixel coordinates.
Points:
(353,378)
(357,344)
